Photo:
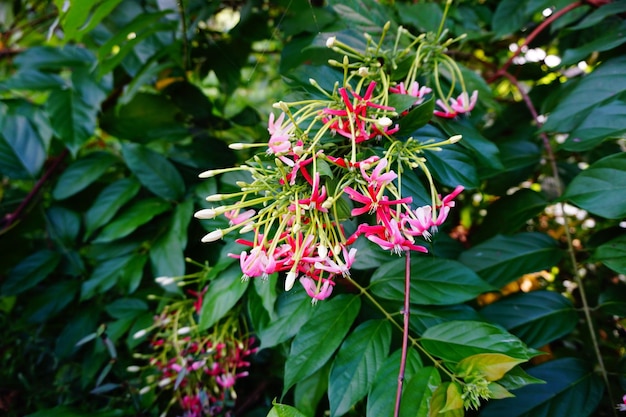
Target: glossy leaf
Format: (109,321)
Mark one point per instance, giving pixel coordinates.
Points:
(282,410)
(581,98)
(310,391)
(604,122)
(22,150)
(538,317)
(108,202)
(82,173)
(418,391)
(439,401)
(167,252)
(434,281)
(416,117)
(126,307)
(104,276)
(600,188)
(503,259)
(512,15)
(133,217)
(572,388)
(452,167)
(314,345)
(81,17)
(381,399)
(421,318)
(30,271)
(222,295)
(456,340)
(517,378)
(154,171)
(51,58)
(356,364)
(63,225)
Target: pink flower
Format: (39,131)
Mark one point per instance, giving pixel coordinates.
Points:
(389,237)
(464,103)
(415,90)
(317,293)
(236,217)
(280,135)
(377,179)
(318,196)
(622,406)
(339,267)
(447,112)
(225,380)
(257,263)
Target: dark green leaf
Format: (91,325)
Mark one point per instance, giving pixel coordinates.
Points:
(126,307)
(63,225)
(456,340)
(418,391)
(130,219)
(601,188)
(538,317)
(434,281)
(104,276)
(452,166)
(517,378)
(423,16)
(81,173)
(604,122)
(154,171)
(64,411)
(22,151)
(517,154)
(381,399)
(356,364)
(597,88)
(612,36)
(416,117)
(512,15)
(167,252)
(293,310)
(421,319)
(222,295)
(133,273)
(572,389)
(108,202)
(613,300)
(81,17)
(30,271)
(310,391)
(47,57)
(503,259)
(45,304)
(314,345)
(599,14)
(32,79)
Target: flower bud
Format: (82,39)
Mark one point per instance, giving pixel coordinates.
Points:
(363,72)
(322,251)
(213,236)
(384,122)
(164,382)
(144,390)
(141,333)
(215,197)
(205,214)
(455,138)
(330,42)
(183,330)
(133,368)
(164,280)
(290,279)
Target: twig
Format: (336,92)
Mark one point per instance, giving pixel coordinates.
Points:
(405,331)
(11,218)
(501,72)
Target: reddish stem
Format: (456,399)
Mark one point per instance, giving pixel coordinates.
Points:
(405,331)
(533,35)
(11,218)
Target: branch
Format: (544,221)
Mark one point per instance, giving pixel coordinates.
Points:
(405,331)
(10,219)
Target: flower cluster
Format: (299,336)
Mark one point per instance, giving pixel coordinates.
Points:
(201,368)
(331,173)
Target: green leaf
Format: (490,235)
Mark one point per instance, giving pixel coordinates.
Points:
(130,219)
(517,378)
(490,366)
(510,212)
(22,151)
(572,389)
(82,16)
(45,304)
(434,281)
(454,341)
(50,58)
(580,98)
(599,14)
(64,411)
(416,117)
(600,189)
(314,345)
(32,79)
(63,225)
(516,154)
(356,364)
(379,401)
(613,300)
(282,410)
(126,308)
(439,401)
(310,391)
(222,295)
(418,391)
(601,123)
(82,173)
(452,166)
(30,271)
(421,319)
(104,276)
(512,15)
(537,317)
(133,273)
(167,253)
(611,36)
(108,202)
(293,310)
(503,259)
(154,171)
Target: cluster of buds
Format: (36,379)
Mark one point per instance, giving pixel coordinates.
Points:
(200,368)
(331,173)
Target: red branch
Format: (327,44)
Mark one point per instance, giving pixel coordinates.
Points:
(533,35)
(405,331)
(11,218)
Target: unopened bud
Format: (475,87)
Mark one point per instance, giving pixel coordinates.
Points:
(164,382)
(206,214)
(213,236)
(247,228)
(384,122)
(184,330)
(215,197)
(237,146)
(330,42)
(133,368)
(322,251)
(455,138)
(328,203)
(141,333)
(290,279)
(363,72)
(164,280)
(144,390)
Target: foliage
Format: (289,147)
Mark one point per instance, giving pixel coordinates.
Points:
(109,111)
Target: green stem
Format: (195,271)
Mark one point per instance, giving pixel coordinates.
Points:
(405,330)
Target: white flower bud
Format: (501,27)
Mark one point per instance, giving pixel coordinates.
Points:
(236,146)
(363,72)
(322,251)
(144,390)
(205,214)
(141,333)
(384,122)
(213,236)
(184,330)
(133,368)
(455,138)
(164,382)
(215,197)
(330,42)
(208,174)
(247,228)
(164,280)
(290,279)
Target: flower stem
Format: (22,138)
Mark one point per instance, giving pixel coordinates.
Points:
(405,331)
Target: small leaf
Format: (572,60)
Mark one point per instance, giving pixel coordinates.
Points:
(497,391)
(356,364)
(282,410)
(108,202)
(82,173)
(435,281)
(517,378)
(63,225)
(418,392)
(30,271)
(154,171)
(454,399)
(130,219)
(537,317)
(23,152)
(222,295)
(416,117)
(572,389)
(503,259)
(314,345)
(491,366)
(600,189)
(438,402)
(454,341)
